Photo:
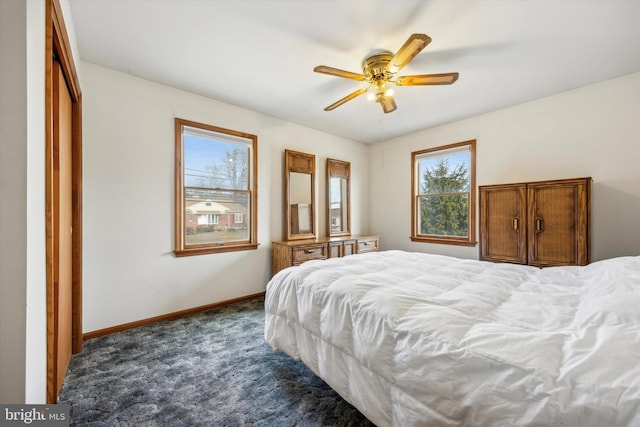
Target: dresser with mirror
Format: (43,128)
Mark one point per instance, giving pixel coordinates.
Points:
(302,242)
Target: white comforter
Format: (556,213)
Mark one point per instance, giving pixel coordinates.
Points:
(413,339)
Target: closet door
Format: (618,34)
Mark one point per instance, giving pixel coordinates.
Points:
(558,222)
(62,192)
(503,223)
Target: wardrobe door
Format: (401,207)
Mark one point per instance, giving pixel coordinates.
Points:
(503,222)
(558,222)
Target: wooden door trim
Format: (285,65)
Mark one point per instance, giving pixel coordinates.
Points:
(57,43)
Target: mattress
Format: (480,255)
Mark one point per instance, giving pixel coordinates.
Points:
(413,339)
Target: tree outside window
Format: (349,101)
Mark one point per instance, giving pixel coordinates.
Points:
(443,206)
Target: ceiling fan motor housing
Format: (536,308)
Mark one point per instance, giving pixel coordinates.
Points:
(375,66)
(375,69)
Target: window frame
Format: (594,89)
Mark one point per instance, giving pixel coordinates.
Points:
(181,248)
(470,239)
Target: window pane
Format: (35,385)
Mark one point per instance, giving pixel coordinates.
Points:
(213,216)
(209,163)
(444,174)
(444,215)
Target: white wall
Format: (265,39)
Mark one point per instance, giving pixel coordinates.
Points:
(36,357)
(130,272)
(590,131)
(22,248)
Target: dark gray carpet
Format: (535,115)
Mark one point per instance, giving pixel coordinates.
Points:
(208,369)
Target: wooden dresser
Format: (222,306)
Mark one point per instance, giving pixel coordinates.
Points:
(295,252)
(544,223)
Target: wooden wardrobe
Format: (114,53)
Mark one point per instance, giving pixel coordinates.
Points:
(543,223)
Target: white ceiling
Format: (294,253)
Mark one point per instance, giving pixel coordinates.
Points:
(260,54)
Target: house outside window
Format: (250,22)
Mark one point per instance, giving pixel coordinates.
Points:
(443,194)
(216,189)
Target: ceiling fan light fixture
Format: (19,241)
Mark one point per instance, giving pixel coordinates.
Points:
(371,93)
(379,71)
(379,90)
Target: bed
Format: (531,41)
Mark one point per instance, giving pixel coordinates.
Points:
(412,339)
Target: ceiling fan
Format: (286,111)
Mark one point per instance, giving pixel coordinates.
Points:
(379,71)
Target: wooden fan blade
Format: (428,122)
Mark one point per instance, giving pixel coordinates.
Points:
(346,98)
(427,79)
(414,44)
(340,73)
(388,104)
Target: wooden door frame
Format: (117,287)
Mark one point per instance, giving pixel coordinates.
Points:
(57,43)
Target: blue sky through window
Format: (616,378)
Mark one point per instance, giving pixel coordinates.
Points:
(454,161)
(200,155)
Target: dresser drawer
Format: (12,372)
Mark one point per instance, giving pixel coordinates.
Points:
(295,252)
(349,247)
(367,245)
(301,254)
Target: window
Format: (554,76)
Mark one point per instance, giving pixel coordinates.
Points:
(216,189)
(443,191)
(207,219)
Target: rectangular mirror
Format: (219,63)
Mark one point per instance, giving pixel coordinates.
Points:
(300,193)
(338,198)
